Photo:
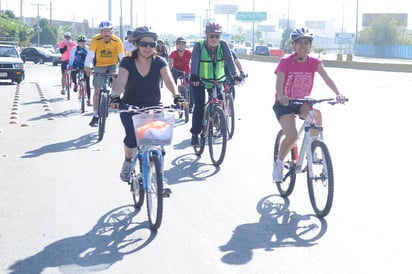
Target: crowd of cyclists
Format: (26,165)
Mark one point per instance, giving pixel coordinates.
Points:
(143,63)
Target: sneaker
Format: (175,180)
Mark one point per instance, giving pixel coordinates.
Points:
(63,92)
(125,173)
(75,88)
(94,121)
(88,103)
(166,192)
(195,140)
(277,174)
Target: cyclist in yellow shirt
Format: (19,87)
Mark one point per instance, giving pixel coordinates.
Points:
(104,54)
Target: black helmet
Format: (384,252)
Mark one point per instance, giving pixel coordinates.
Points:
(180,39)
(213,27)
(143,32)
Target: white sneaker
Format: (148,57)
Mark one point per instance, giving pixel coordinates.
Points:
(277,174)
(125,173)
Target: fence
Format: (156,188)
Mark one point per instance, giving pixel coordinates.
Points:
(389,52)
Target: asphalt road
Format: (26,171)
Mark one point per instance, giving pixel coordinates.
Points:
(63,208)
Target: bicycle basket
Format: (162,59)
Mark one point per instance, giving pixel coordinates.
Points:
(154,127)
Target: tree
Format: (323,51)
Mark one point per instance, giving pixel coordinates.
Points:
(382,31)
(12,28)
(48,34)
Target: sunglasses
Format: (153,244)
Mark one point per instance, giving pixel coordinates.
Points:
(144,44)
(217,36)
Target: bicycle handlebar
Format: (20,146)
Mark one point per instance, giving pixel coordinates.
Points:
(312,101)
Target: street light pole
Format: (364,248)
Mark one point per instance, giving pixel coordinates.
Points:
(253,28)
(356,30)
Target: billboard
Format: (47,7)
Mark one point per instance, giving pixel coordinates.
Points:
(320,25)
(401,19)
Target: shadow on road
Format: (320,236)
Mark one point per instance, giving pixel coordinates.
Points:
(82,142)
(277,227)
(114,236)
(186,168)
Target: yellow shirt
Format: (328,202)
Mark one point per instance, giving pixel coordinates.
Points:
(106,54)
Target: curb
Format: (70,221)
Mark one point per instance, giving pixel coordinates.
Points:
(364,65)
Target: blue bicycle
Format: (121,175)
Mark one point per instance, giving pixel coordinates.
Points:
(154,129)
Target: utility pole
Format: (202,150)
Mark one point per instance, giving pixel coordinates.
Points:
(38,29)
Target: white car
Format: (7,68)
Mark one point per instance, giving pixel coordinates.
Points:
(242,50)
(50,47)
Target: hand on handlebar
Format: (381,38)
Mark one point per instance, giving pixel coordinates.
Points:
(341,98)
(115,102)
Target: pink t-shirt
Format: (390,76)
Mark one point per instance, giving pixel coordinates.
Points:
(298,76)
(66,54)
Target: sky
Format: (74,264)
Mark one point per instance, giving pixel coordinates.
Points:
(161,15)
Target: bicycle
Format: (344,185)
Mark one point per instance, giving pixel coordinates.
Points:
(318,168)
(154,130)
(229,107)
(214,128)
(82,89)
(103,107)
(184,89)
(68,79)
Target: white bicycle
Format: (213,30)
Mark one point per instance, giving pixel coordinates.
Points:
(313,158)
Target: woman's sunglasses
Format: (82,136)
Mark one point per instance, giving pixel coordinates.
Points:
(144,44)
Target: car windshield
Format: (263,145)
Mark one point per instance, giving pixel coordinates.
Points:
(8,52)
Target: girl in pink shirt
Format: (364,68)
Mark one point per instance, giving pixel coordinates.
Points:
(294,79)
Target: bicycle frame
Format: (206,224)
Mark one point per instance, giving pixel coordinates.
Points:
(143,156)
(306,127)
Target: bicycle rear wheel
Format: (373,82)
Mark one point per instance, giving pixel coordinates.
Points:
(217,135)
(103,109)
(286,187)
(136,185)
(321,184)
(82,94)
(185,92)
(230,114)
(154,196)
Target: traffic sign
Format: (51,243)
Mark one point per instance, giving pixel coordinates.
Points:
(251,16)
(185,17)
(225,9)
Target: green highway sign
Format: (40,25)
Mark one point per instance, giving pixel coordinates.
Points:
(251,16)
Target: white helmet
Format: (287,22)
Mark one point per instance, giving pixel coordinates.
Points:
(301,33)
(67,34)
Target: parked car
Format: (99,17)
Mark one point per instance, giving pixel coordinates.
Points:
(242,50)
(11,64)
(40,55)
(50,48)
(262,50)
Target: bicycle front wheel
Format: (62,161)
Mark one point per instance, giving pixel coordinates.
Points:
(68,83)
(103,100)
(82,94)
(285,187)
(154,197)
(230,114)
(217,135)
(136,185)
(320,184)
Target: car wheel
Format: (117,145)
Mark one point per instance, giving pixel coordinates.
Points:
(41,61)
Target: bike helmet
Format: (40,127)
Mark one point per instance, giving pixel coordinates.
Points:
(213,28)
(301,33)
(67,34)
(105,25)
(81,38)
(180,39)
(143,32)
